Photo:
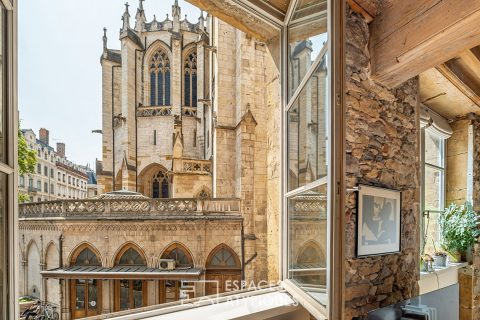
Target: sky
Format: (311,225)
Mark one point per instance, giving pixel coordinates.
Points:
(59,44)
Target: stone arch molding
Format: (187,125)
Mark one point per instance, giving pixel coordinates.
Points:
(180,244)
(125,246)
(154,47)
(223,246)
(31,243)
(47,247)
(311,243)
(81,246)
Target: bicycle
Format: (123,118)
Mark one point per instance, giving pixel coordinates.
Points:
(47,312)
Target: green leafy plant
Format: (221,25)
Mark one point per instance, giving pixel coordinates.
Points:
(27,160)
(459,227)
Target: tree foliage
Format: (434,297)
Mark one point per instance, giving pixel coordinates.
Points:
(27,160)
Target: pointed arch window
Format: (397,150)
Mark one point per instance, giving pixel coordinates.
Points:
(86,257)
(131,257)
(190,80)
(181,256)
(159,68)
(223,258)
(161,185)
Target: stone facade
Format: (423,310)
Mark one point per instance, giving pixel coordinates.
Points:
(382,149)
(55,176)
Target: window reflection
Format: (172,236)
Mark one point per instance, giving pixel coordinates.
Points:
(307,227)
(307,34)
(307,132)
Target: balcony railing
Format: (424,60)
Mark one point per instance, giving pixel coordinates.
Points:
(154,111)
(197,166)
(33,189)
(189,111)
(124,208)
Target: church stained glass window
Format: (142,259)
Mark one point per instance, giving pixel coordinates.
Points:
(190,81)
(159,69)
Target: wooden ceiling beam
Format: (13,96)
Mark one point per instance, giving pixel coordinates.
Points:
(240,17)
(412,36)
(458,83)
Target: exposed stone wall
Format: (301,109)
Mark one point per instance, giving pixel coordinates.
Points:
(476,204)
(382,149)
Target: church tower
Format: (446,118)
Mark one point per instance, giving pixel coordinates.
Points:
(154,125)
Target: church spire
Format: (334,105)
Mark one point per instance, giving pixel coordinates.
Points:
(104,39)
(126,18)
(201,21)
(176,11)
(140,18)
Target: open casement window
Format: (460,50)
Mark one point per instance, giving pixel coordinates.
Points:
(435,132)
(308,118)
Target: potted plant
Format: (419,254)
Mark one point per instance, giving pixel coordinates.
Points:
(439,257)
(459,228)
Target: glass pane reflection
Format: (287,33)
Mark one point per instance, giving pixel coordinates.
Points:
(307,128)
(307,34)
(92,294)
(124,294)
(80,294)
(137,293)
(307,234)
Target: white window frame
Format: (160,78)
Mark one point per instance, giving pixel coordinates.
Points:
(10,167)
(336,154)
(443,183)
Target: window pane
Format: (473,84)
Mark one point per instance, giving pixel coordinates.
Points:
(80,294)
(137,293)
(307,132)
(306,34)
(431,232)
(307,234)
(433,149)
(434,183)
(92,294)
(124,294)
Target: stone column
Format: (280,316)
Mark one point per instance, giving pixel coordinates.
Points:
(176,75)
(200,95)
(244,168)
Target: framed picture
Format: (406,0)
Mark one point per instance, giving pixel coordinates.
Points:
(378,221)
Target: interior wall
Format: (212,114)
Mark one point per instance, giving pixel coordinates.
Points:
(457,160)
(382,150)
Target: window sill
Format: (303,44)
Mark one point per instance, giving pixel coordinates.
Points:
(440,278)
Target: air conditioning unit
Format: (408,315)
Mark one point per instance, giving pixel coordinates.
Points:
(166,264)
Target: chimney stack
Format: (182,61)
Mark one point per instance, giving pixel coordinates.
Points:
(44,135)
(61,149)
